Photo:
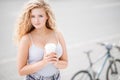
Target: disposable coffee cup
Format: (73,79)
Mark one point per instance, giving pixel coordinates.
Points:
(50,47)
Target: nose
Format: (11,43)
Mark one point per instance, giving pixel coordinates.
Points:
(36,19)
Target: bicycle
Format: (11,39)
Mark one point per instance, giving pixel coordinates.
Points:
(113,70)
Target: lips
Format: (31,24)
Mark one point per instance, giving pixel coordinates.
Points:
(37,24)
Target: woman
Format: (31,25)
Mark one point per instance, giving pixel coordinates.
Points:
(35,29)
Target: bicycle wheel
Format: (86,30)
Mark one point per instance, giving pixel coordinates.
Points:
(113,71)
(82,75)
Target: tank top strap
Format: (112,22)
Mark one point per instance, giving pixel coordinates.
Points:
(30,38)
(57,37)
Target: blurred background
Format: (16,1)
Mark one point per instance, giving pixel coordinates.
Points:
(83,24)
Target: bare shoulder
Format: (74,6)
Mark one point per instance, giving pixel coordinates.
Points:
(25,40)
(59,34)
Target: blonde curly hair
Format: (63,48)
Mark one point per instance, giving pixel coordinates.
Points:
(23,24)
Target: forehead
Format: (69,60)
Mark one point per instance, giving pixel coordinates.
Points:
(37,11)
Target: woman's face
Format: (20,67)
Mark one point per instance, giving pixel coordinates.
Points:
(38,17)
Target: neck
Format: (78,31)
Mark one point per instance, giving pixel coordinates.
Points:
(41,31)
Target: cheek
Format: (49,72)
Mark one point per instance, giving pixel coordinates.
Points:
(32,21)
(43,19)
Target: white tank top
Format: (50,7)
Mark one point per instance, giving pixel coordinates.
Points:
(36,54)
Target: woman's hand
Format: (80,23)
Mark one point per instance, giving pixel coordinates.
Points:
(50,58)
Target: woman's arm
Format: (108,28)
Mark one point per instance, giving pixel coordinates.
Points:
(63,61)
(23,50)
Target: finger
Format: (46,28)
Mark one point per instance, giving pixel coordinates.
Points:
(52,56)
(53,59)
(52,53)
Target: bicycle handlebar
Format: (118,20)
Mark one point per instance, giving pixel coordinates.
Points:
(109,46)
(118,47)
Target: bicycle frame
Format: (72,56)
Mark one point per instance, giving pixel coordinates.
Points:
(107,56)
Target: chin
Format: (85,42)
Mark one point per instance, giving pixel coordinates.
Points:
(38,27)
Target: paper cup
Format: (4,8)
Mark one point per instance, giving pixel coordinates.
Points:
(50,47)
